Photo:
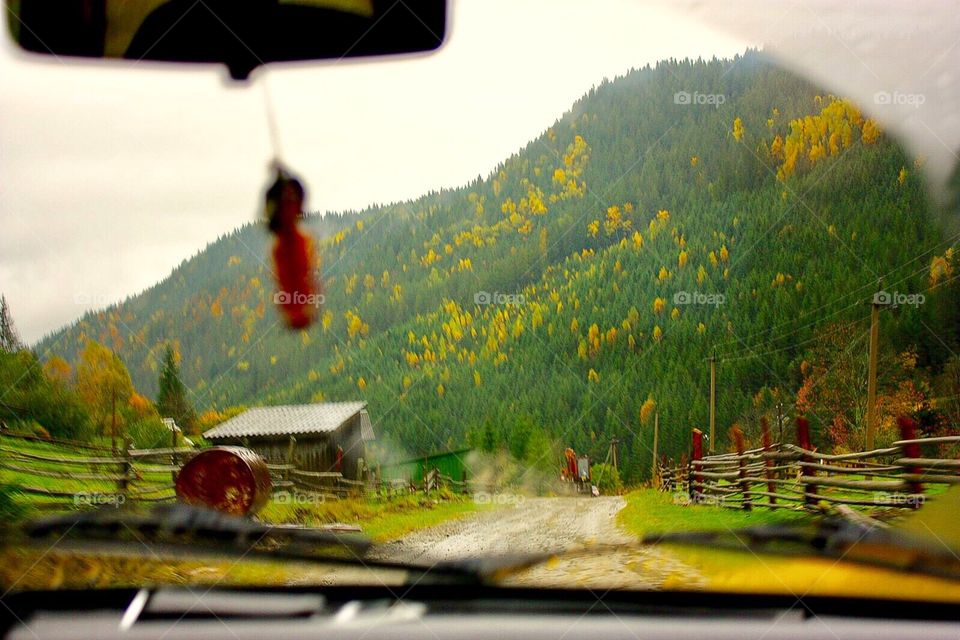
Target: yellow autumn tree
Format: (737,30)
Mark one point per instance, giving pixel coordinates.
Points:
(647,409)
(871,132)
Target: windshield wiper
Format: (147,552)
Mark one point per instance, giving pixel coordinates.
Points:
(179,530)
(851,539)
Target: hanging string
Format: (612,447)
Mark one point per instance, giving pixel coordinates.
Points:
(272,129)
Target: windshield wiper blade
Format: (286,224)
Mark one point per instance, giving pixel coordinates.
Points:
(184,530)
(179,519)
(184,527)
(860,541)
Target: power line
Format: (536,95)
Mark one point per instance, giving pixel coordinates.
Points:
(812,339)
(820,319)
(792,345)
(953,239)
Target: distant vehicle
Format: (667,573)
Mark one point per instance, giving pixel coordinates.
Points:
(576,471)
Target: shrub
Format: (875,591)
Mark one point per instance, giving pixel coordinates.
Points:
(607,479)
(149,433)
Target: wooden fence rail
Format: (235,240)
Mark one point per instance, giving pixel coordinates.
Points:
(82,475)
(796,476)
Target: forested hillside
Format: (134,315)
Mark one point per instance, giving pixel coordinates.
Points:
(582,286)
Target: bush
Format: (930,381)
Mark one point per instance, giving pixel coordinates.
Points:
(149,433)
(607,479)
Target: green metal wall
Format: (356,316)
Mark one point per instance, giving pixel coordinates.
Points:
(450,463)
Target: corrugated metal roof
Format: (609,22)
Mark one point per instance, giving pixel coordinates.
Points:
(322,417)
(366,427)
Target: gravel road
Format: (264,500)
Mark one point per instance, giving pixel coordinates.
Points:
(550,524)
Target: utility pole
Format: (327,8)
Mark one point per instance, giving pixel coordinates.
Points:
(656,437)
(780,419)
(713,401)
(880,298)
(615,447)
(113,419)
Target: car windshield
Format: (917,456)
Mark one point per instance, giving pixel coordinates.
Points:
(588,274)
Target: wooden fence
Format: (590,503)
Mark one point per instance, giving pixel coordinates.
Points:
(88,475)
(785,475)
(58,473)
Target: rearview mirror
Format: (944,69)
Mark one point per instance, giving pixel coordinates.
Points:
(242,34)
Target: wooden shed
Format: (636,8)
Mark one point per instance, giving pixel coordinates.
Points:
(306,435)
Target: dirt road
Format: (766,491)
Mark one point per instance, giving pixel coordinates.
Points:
(549,524)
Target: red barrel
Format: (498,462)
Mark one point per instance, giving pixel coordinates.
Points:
(230,479)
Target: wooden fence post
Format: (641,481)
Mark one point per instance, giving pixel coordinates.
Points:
(126,469)
(287,474)
(737,434)
(803,441)
(768,463)
(696,454)
(908,431)
(174,458)
(683,473)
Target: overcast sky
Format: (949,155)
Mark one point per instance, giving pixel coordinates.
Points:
(110,176)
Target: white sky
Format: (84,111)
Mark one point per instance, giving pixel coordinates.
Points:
(110,176)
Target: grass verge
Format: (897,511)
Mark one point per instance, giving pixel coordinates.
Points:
(381,519)
(650,511)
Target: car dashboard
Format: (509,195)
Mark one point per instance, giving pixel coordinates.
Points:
(461,611)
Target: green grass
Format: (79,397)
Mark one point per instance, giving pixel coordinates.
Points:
(381,519)
(745,571)
(650,511)
(30,503)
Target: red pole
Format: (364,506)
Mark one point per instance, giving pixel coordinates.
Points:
(737,435)
(908,431)
(768,463)
(696,455)
(803,441)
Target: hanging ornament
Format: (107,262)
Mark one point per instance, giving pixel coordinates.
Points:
(298,295)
